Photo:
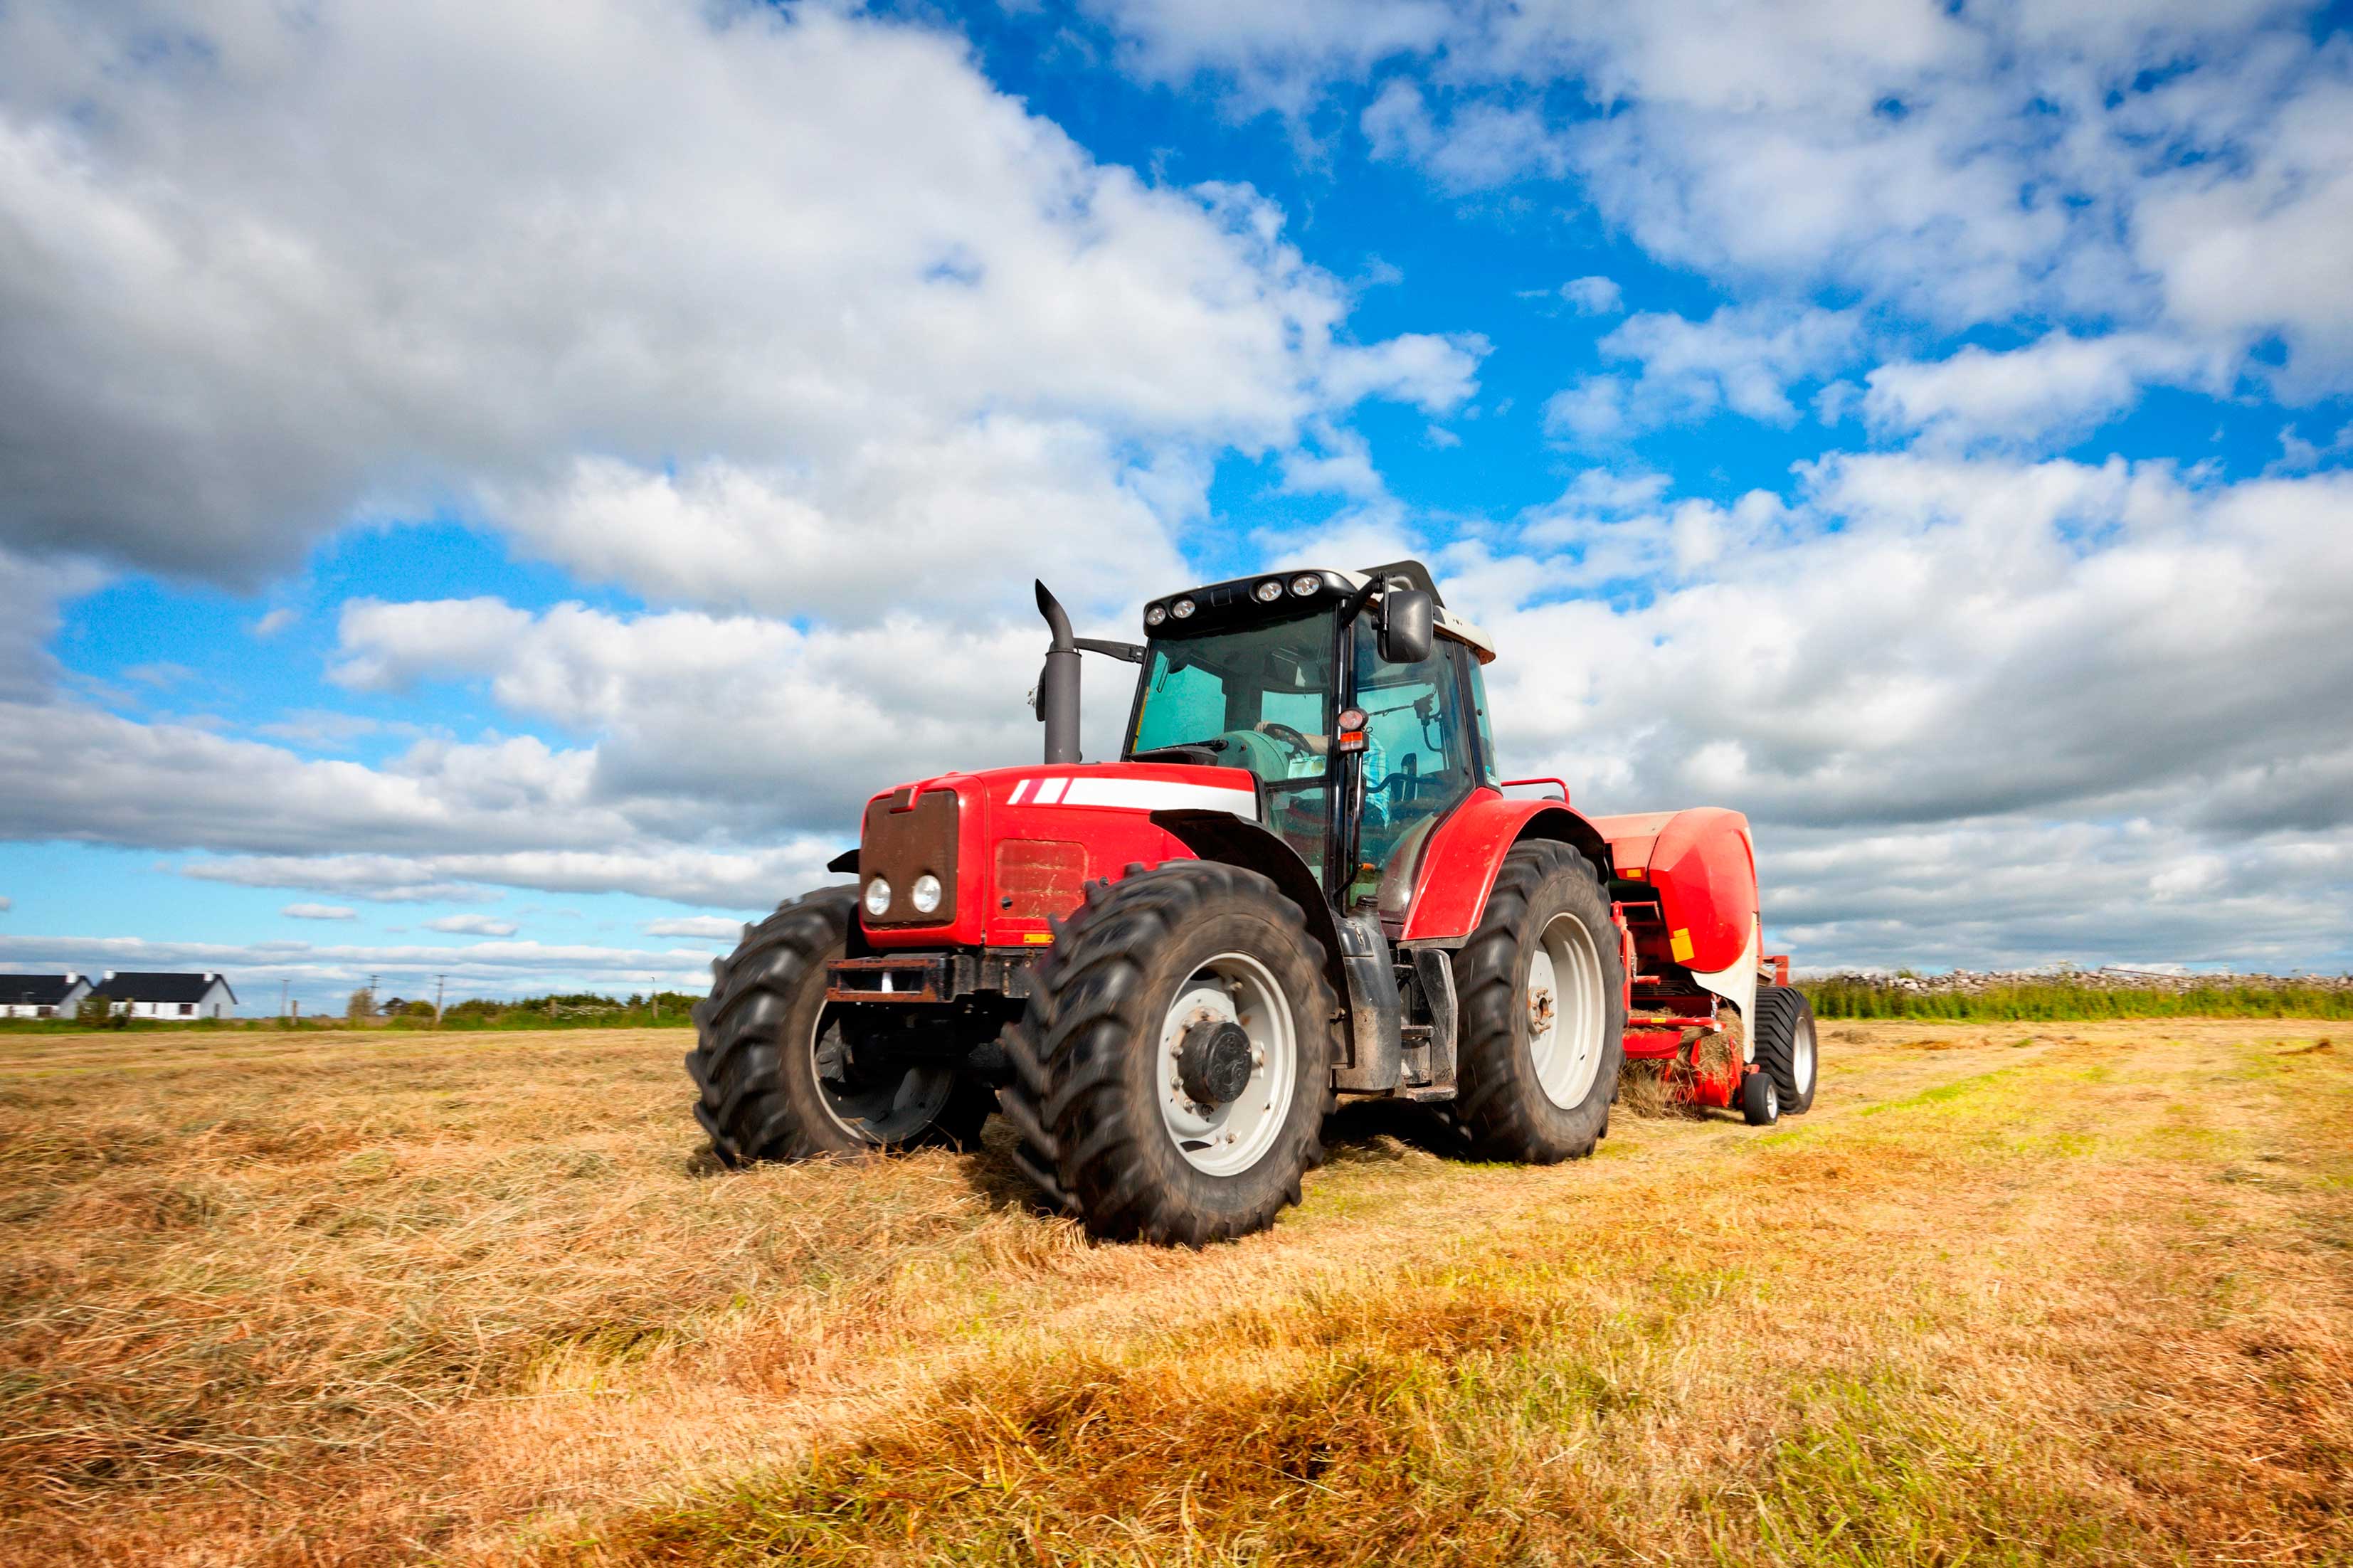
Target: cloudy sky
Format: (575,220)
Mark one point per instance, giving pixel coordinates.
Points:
(488,489)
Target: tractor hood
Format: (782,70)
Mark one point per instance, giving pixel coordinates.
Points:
(1013,848)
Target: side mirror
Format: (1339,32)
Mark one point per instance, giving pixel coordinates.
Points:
(1408,626)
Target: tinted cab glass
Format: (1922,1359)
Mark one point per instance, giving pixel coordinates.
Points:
(1260,697)
(1420,753)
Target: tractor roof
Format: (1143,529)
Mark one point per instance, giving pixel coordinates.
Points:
(1224,604)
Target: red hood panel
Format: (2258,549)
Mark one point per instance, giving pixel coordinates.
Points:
(1029,838)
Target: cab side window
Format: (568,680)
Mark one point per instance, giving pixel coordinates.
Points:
(1418,753)
(1487,772)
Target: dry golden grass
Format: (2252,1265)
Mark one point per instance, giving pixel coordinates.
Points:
(2079,1295)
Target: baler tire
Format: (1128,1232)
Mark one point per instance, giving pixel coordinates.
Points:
(1501,1105)
(1788,1046)
(1760,1100)
(1084,1099)
(756,1098)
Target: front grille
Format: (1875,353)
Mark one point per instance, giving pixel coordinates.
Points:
(903,840)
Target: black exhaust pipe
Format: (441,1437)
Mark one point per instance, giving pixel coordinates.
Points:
(1058,683)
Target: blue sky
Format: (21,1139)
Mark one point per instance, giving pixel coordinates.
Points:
(487,494)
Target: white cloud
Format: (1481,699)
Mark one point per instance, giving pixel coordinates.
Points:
(276,621)
(711,926)
(1277,54)
(957,519)
(2299,456)
(318,912)
(2260,240)
(6,904)
(1594,296)
(1924,639)
(1345,468)
(740,879)
(1980,709)
(1437,375)
(2054,390)
(1477,144)
(2172,167)
(1742,358)
(725,724)
(32,591)
(611,270)
(471,925)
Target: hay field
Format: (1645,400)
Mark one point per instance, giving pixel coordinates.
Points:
(2078,1293)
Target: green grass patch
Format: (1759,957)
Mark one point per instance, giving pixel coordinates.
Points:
(2066,1001)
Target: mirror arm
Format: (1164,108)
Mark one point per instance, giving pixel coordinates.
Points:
(1127,652)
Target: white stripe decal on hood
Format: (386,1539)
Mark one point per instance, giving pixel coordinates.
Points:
(1153,794)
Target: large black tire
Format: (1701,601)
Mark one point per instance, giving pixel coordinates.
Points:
(1087,1075)
(1502,1104)
(758,1038)
(1786,1046)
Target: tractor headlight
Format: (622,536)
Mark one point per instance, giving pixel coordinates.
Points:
(878,898)
(925,894)
(1155,616)
(1269,591)
(1181,608)
(1306,584)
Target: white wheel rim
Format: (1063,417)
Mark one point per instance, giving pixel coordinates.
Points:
(1228,1138)
(890,1110)
(1801,1058)
(1567,1010)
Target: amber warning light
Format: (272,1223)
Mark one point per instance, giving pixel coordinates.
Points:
(1351,737)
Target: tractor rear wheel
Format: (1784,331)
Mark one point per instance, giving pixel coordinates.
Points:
(783,1075)
(1785,1044)
(1170,1073)
(1543,1009)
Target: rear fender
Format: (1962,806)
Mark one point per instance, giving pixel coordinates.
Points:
(1222,836)
(1466,851)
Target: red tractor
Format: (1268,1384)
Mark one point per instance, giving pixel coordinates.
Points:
(1302,880)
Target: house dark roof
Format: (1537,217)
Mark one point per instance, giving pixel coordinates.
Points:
(35,990)
(149,986)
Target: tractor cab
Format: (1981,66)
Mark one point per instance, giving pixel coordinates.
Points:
(1353,700)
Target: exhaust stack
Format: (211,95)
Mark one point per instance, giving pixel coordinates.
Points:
(1058,683)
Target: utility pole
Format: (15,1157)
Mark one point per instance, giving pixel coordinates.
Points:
(437,981)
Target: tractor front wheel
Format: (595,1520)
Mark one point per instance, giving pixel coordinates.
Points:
(1543,1012)
(783,1075)
(1170,1073)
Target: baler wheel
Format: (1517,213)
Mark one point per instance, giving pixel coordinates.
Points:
(777,1075)
(1170,1074)
(1760,1100)
(1786,1046)
(1543,1009)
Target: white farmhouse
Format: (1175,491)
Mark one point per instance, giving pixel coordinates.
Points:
(144,994)
(41,995)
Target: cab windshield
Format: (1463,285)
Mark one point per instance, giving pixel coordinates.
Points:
(1260,698)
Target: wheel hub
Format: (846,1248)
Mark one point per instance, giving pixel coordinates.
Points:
(1213,1063)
